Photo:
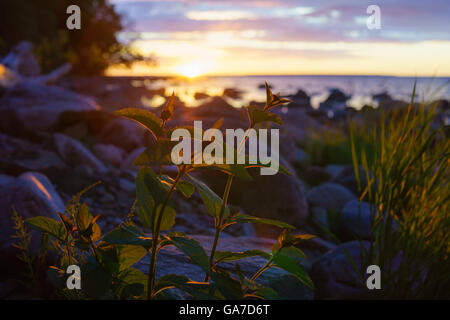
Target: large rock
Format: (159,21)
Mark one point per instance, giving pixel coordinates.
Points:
(125,134)
(22,60)
(31,194)
(355,220)
(171,260)
(330,196)
(334,277)
(39,106)
(75,153)
(18,156)
(109,153)
(279,196)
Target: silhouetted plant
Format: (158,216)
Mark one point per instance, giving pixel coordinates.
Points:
(106,261)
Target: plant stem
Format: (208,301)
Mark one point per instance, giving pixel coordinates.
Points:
(264,268)
(226,193)
(152,267)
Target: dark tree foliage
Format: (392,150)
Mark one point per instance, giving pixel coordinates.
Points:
(43,22)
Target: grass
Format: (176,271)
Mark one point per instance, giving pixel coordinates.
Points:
(409,195)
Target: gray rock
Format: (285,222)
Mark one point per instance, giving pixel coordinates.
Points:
(38,106)
(320,215)
(330,196)
(125,134)
(22,60)
(128,162)
(334,277)
(31,194)
(109,153)
(75,153)
(171,260)
(301,158)
(355,219)
(5,179)
(315,175)
(335,169)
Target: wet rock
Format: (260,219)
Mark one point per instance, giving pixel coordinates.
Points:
(201,95)
(109,153)
(39,106)
(300,100)
(232,93)
(336,100)
(335,169)
(75,153)
(334,277)
(330,196)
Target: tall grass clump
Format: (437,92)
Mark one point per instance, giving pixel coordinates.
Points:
(409,192)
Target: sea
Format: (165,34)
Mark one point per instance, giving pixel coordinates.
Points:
(361,89)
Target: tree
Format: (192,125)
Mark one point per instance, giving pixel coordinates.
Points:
(90,50)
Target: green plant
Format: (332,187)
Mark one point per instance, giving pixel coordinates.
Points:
(409,194)
(107,260)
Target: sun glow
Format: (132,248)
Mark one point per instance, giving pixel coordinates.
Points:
(192,69)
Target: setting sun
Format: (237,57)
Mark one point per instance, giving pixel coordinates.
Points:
(192,69)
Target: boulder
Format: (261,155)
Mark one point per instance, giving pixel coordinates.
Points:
(315,175)
(355,220)
(109,153)
(330,196)
(18,156)
(279,196)
(171,260)
(128,162)
(39,106)
(125,134)
(22,60)
(334,277)
(347,178)
(31,194)
(75,153)
(5,179)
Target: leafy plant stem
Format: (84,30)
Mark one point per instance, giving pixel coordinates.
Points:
(263,268)
(226,193)
(152,267)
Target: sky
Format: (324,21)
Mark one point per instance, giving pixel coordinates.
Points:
(295,37)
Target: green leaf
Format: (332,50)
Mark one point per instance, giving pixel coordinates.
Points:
(128,255)
(130,283)
(198,290)
(230,288)
(190,248)
(256,115)
(145,118)
(233,256)
(244,218)
(95,280)
(128,234)
(158,153)
(167,110)
(150,193)
(168,218)
(284,261)
(210,199)
(186,188)
(83,217)
(48,225)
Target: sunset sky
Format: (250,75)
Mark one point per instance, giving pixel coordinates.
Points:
(266,37)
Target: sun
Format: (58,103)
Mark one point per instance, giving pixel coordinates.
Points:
(192,69)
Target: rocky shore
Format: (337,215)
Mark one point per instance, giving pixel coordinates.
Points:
(55,140)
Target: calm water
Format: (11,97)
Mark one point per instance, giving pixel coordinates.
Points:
(361,88)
